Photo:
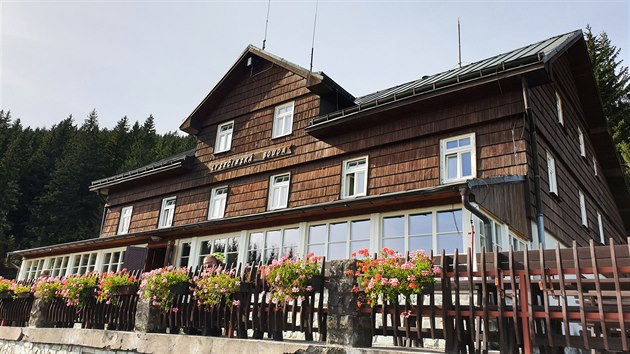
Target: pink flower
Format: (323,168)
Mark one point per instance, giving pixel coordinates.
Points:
(411,277)
(295,289)
(394,282)
(175,309)
(425,273)
(437,270)
(309,288)
(236,303)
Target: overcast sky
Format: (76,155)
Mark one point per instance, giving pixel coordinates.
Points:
(137,58)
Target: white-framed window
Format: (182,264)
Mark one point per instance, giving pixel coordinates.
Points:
(583,209)
(458,158)
(185,250)
(338,239)
(224,137)
(517,243)
(551,172)
(600,226)
(58,266)
(33,268)
(431,230)
(581,140)
(283,120)
(227,246)
(125,220)
(279,191)
(267,245)
(113,261)
(355,174)
(498,238)
(84,263)
(595,166)
(218,201)
(559,108)
(166,212)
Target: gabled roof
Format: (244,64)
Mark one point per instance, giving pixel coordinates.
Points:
(167,164)
(318,82)
(540,52)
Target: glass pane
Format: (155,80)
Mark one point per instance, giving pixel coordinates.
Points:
(466,164)
(360,230)
(274,239)
(291,237)
(219,246)
(357,245)
(230,260)
(350,184)
(271,254)
(449,221)
(449,242)
(338,232)
(393,226)
(464,142)
(206,247)
(232,245)
(254,257)
(256,241)
(186,249)
(421,224)
(360,188)
(396,244)
(317,250)
(336,251)
(317,234)
(451,144)
(451,167)
(424,243)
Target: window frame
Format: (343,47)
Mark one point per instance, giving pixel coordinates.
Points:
(124,222)
(277,117)
(581,142)
(583,212)
(346,172)
(458,151)
(220,134)
(111,266)
(600,228)
(347,242)
(273,187)
(213,200)
(283,245)
(162,223)
(559,109)
(552,173)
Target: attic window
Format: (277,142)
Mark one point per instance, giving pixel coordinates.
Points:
(559,109)
(224,137)
(283,120)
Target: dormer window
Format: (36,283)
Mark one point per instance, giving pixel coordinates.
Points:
(283,120)
(224,137)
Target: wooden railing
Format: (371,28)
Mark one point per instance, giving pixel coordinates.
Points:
(572,297)
(15,310)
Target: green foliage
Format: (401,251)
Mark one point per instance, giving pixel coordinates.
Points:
(45,176)
(289,279)
(47,288)
(78,289)
(213,285)
(613,81)
(156,286)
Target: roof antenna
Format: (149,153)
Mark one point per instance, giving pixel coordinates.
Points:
(459,41)
(266,25)
(313,41)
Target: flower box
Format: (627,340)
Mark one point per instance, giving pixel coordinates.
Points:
(26,295)
(8,294)
(180,288)
(317,281)
(131,289)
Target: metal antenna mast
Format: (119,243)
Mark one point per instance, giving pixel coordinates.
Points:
(266,25)
(459,42)
(313,41)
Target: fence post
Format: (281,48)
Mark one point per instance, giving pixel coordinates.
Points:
(147,318)
(39,314)
(346,325)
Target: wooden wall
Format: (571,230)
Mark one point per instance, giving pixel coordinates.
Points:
(403,150)
(562,212)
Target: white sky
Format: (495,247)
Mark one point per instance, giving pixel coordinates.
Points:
(137,58)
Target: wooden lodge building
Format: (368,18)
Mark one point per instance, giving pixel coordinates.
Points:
(286,160)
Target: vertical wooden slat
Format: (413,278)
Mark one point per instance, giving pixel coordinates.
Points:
(498,282)
(432,306)
(526,305)
(622,325)
(545,295)
(515,299)
(458,317)
(484,300)
(598,290)
(563,297)
(578,281)
(471,299)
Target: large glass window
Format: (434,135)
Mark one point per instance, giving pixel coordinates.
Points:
(457,158)
(58,266)
(265,246)
(227,246)
(224,137)
(125,220)
(112,261)
(34,268)
(283,120)
(551,172)
(218,201)
(84,263)
(184,254)
(166,213)
(338,240)
(434,230)
(279,191)
(354,177)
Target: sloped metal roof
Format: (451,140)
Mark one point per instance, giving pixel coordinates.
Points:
(540,51)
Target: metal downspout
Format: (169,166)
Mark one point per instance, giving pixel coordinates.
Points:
(465,193)
(533,137)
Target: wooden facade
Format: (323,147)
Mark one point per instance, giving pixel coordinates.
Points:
(399,135)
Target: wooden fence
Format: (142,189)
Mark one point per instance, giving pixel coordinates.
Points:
(554,298)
